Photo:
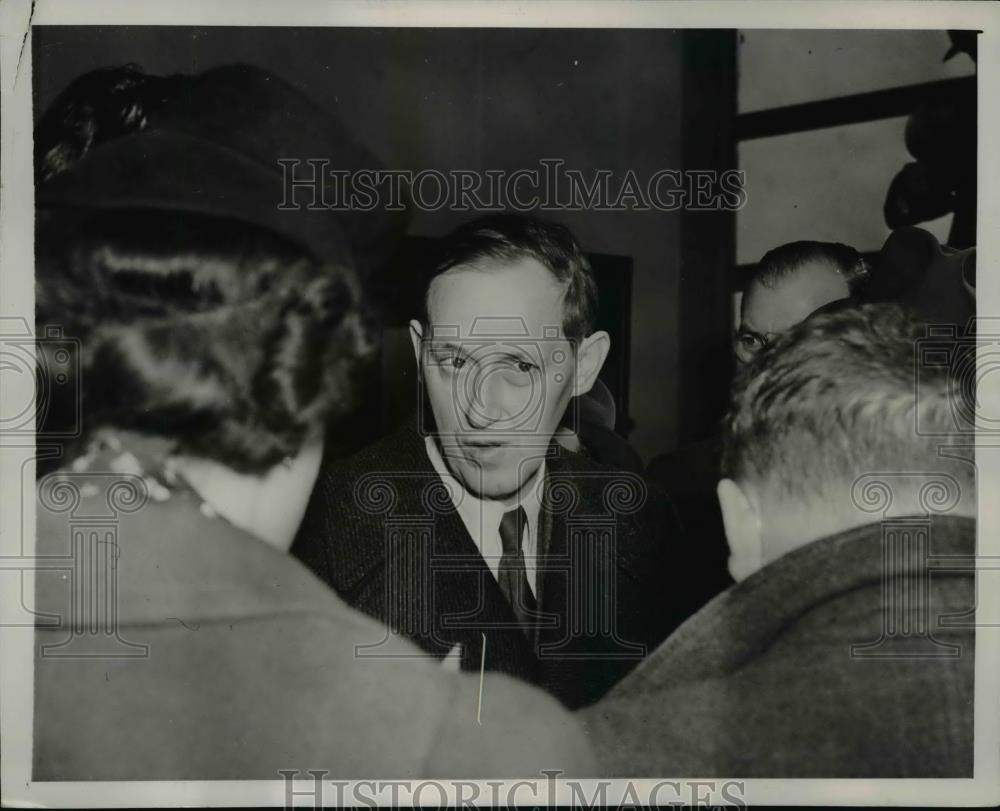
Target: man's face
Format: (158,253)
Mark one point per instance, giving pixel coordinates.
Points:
(497,369)
(766,312)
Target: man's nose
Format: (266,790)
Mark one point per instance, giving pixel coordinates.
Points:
(485,398)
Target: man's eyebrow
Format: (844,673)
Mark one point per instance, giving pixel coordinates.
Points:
(440,343)
(505,351)
(516,354)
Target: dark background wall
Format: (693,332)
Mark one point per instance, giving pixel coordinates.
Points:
(480,99)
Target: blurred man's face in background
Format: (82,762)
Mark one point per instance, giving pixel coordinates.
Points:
(497,370)
(766,312)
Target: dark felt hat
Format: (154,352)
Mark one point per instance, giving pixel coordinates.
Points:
(160,170)
(213,148)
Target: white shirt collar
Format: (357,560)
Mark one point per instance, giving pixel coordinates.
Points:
(482,516)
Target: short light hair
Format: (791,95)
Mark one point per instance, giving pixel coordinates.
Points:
(838,396)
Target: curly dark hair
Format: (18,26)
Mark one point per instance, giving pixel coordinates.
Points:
(221,335)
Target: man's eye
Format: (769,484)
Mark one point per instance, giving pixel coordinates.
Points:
(525,367)
(447,360)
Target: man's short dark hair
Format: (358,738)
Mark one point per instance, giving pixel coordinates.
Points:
(781,262)
(512,237)
(836,397)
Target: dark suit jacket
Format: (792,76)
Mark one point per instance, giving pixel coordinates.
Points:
(381,530)
(690,474)
(813,667)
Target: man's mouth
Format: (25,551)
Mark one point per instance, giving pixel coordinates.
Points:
(483,447)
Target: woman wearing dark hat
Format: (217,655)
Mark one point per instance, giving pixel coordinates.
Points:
(176,639)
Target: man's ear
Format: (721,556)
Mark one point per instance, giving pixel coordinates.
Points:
(416,338)
(590,356)
(742,522)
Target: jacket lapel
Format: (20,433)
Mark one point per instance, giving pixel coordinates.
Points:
(582,649)
(435,568)
(471,608)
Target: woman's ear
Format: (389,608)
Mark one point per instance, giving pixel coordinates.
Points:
(590,356)
(741,520)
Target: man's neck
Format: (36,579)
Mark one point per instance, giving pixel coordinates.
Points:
(801,526)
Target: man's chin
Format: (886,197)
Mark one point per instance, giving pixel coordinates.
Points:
(498,484)
(491,487)
(498,494)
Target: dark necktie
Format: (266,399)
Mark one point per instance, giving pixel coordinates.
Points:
(512,576)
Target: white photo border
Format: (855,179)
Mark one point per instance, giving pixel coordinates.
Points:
(17,301)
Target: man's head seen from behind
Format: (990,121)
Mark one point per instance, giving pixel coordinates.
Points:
(837,400)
